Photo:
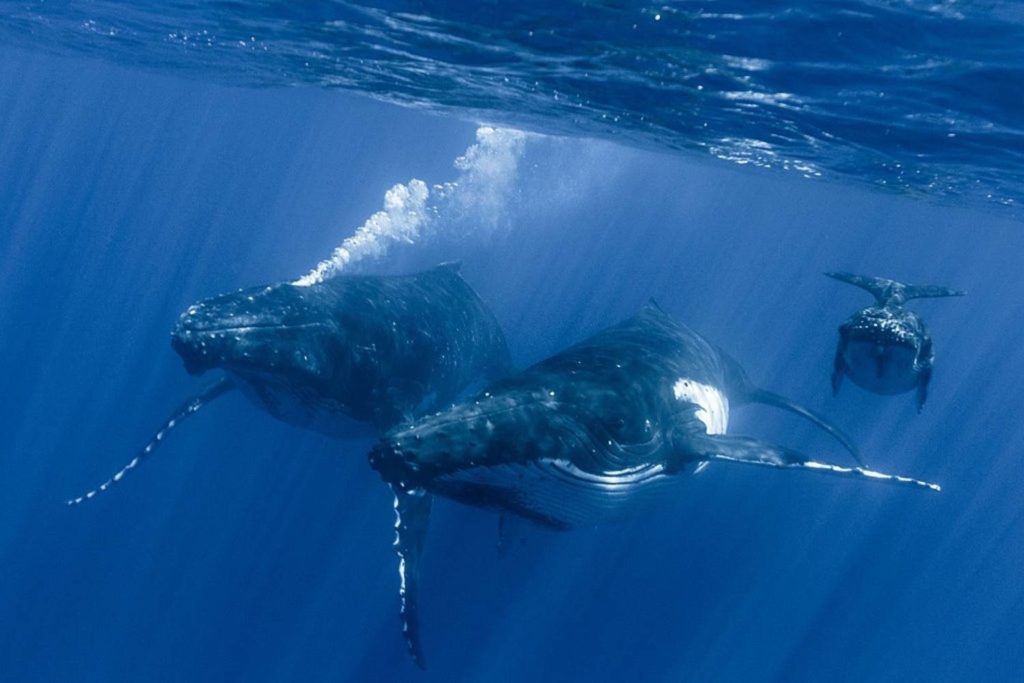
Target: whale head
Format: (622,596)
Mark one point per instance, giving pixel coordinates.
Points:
(279,331)
(464,436)
(288,348)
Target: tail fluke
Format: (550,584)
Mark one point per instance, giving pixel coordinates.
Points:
(189,407)
(412,516)
(929,291)
(755,452)
(888,292)
(772,399)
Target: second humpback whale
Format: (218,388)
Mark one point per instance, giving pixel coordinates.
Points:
(886,348)
(352,349)
(580,435)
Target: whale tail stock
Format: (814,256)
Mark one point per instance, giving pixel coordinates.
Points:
(186,409)
(746,450)
(890,292)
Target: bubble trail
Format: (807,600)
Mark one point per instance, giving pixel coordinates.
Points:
(413,211)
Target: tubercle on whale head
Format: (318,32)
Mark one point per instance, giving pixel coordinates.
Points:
(408,457)
(272,329)
(411,453)
(472,433)
(390,461)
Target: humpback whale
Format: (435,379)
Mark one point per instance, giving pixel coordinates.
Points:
(346,353)
(886,348)
(577,437)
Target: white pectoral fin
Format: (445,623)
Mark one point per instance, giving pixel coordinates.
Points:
(412,516)
(190,407)
(754,452)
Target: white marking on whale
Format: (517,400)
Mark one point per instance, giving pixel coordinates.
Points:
(562,492)
(714,406)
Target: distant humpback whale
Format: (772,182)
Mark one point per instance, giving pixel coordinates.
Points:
(885,348)
(349,350)
(580,435)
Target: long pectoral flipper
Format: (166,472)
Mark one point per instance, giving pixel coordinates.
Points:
(189,407)
(755,452)
(412,516)
(771,399)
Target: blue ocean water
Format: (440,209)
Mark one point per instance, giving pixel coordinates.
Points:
(139,174)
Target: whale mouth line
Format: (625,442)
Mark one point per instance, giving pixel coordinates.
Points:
(250,328)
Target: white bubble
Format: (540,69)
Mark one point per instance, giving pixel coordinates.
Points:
(478,196)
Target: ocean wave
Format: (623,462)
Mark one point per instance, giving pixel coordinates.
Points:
(918,97)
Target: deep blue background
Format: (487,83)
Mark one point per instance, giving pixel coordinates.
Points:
(248,550)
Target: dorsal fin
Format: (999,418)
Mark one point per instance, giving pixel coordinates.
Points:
(652,306)
(449,266)
(890,292)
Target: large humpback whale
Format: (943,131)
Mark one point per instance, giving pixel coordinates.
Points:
(349,350)
(579,436)
(886,348)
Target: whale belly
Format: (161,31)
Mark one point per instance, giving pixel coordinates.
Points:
(306,409)
(558,493)
(888,369)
